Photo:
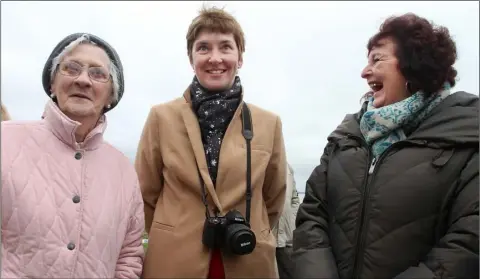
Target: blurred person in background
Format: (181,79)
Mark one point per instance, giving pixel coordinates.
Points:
(71,204)
(285,226)
(5,114)
(195,160)
(396,192)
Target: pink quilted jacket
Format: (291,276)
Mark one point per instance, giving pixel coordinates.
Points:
(68,210)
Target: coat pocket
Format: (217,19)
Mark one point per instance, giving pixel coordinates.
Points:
(163,227)
(442,158)
(266,233)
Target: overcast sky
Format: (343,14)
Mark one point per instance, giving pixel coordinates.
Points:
(302,61)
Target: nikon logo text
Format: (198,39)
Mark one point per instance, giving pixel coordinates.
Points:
(245,244)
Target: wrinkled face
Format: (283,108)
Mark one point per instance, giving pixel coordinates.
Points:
(383,75)
(215,60)
(80,84)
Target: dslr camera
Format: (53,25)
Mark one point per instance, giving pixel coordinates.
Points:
(231,233)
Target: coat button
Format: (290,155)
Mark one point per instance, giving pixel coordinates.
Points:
(70,246)
(76,199)
(78,155)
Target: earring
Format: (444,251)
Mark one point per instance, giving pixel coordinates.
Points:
(109,106)
(408,87)
(52,95)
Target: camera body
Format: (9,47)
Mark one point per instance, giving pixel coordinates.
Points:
(231,233)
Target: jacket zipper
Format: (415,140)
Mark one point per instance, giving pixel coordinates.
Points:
(372,166)
(371,171)
(362,214)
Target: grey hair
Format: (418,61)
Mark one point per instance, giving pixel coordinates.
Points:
(84,39)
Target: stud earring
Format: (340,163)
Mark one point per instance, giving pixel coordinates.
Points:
(109,106)
(52,95)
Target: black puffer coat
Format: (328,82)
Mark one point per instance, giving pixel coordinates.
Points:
(414,216)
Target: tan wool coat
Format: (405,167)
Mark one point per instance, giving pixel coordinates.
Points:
(169,151)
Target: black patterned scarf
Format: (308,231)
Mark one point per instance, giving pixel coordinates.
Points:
(214,111)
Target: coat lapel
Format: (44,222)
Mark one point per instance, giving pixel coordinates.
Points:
(195,136)
(230,134)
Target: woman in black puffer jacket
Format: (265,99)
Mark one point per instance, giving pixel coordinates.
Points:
(396,192)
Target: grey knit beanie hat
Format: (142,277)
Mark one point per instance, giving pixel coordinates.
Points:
(112,54)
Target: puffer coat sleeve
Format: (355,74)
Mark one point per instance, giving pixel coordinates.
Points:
(313,256)
(455,255)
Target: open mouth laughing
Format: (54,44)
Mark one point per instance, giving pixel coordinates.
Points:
(375,86)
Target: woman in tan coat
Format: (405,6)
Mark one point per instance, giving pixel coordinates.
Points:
(5,114)
(193,151)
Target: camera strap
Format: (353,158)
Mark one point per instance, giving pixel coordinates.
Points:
(247,132)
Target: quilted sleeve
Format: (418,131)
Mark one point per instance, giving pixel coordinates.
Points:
(275,185)
(456,254)
(312,254)
(149,165)
(5,203)
(130,260)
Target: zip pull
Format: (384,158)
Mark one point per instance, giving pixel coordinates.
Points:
(372,165)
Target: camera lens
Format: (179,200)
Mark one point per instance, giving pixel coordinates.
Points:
(240,239)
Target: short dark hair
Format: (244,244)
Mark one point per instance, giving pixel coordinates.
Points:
(425,52)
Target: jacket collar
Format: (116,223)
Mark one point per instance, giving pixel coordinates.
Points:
(187,96)
(454,121)
(64,128)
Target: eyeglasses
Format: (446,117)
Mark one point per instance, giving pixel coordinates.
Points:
(74,69)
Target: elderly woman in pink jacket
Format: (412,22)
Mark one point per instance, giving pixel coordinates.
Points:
(71,204)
